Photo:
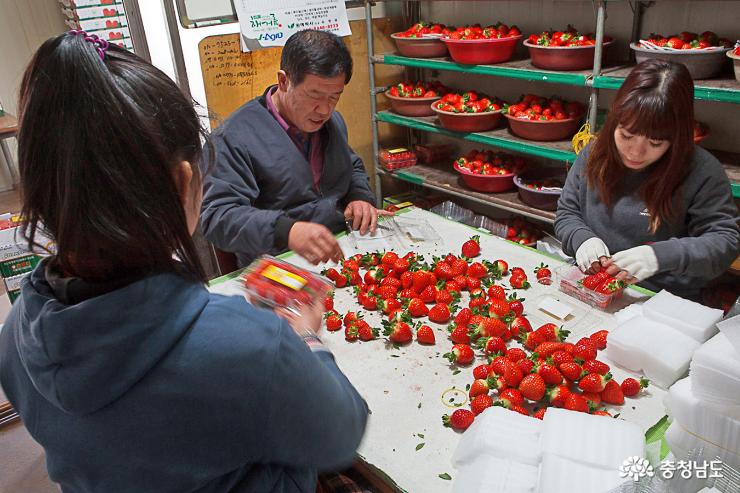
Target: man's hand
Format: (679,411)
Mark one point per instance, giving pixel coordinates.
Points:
(364,216)
(314,242)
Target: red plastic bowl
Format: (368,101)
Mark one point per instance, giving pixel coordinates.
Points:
(426,47)
(543,130)
(481,51)
(412,106)
(564,57)
(541,199)
(486,183)
(468,122)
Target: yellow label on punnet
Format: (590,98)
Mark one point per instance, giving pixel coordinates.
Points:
(282,276)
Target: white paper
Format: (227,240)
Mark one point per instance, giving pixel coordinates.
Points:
(265,23)
(555,308)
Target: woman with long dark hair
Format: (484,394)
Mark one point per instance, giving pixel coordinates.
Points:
(129,373)
(643,202)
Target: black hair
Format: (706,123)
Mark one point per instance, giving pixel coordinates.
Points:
(97,144)
(315,52)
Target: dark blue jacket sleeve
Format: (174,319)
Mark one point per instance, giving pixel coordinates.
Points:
(315,417)
(228,217)
(359,188)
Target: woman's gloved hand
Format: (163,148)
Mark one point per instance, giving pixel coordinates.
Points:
(590,254)
(634,264)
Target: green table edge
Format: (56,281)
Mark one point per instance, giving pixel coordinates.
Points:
(511,145)
(495,70)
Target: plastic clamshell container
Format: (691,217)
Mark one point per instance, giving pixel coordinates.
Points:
(486,183)
(543,130)
(271,282)
(392,159)
(412,106)
(481,51)
(564,57)
(735,63)
(700,63)
(568,277)
(426,47)
(541,199)
(468,122)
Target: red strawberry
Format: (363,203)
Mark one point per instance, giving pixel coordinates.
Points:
(429,294)
(496,292)
(369,303)
(400,266)
(425,335)
(631,387)
(479,387)
(459,267)
(421,280)
(387,292)
(596,366)
(543,274)
(444,296)
(519,282)
(492,345)
(408,294)
(576,402)
(460,419)
(515,354)
(481,371)
(459,334)
(439,313)
(593,399)
(557,395)
(461,354)
(610,286)
(373,276)
(480,403)
(487,327)
(599,339)
(520,324)
(516,305)
(584,349)
(532,387)
(570,370)
(471,248)
(525,365)
(389,258)
(389,306)
(612,393)
(498,365)
(497,382)
(417,308)
(443,270)
(365,332)
(593,382)
(548,348)
(530,339)
(499,309)
(518,271)
(594,280)
(550,374)
(397,332)
(329,303)
(463,316)
(520,410)
(453,287)
(510,397)
(351,317)
(512,374)
(601,412)
(540,413)
(477,270)
(476,302)
(333,323)
(407,280)
(559,357)
(551,333)
(503,267)
(351,264)
(351,333)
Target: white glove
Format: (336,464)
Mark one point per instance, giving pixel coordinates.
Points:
(639,262)
(589,252)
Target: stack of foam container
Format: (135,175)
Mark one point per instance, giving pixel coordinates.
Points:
(660,340)
(567,452)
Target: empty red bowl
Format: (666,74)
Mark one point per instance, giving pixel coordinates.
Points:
(486,183)
(481,51)
(412,106)
(543,130)
(563,57)
(426,47)
(468,122)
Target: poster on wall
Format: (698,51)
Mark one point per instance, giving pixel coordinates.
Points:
(267,23)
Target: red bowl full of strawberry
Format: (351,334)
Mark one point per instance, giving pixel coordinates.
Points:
(489,171)
(702,54)
(477,45)
(468,112)
(543,119)
(422,40)
(564,50)
(415,98)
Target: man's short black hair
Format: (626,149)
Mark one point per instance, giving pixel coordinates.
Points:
(315,52)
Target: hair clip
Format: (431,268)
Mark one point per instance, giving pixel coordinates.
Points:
(101,45)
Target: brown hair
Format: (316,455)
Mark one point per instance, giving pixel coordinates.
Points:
(656,100)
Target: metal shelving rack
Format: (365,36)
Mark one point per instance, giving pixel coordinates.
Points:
(438,178)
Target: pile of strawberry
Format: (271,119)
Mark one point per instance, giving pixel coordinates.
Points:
(602,283)
(689,41)
(419,89)
(421,29)
(491,163)
(537,184)
(533,107)
(522,231)
(569,37)
(476,31)
(468,102)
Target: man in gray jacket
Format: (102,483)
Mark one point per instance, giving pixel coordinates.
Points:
(284,175)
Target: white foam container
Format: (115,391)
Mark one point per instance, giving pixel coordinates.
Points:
(731,329)
(682,443)
(693,319)
(490,474)
(715,372)
(561,475)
